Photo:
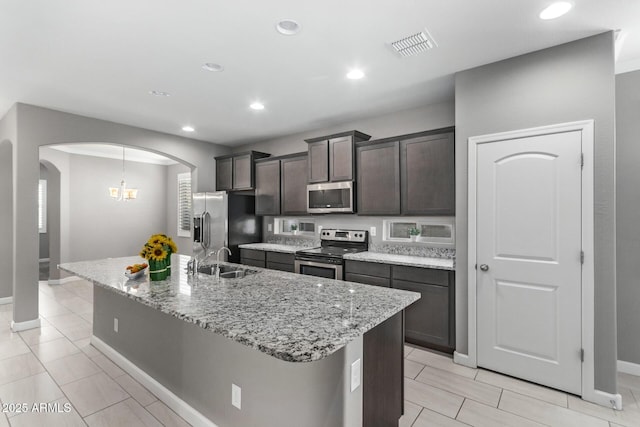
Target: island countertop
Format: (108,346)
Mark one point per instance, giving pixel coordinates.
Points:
(292,317)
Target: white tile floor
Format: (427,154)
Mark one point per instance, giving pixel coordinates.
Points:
(57,364)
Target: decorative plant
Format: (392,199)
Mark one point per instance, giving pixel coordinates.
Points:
(413,231)
(159,247)
(294,227)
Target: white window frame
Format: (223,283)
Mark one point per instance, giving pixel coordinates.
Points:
(445,242)
(181,179)
(278,221)
(42,206)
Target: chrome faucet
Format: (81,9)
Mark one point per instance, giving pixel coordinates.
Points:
(194,263)
(218,260)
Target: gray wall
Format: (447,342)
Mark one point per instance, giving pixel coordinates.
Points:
(6,219)
(398,123)
(185,244)
(565,83)
(44,237)
(36,127)
(627,209)
(200,366)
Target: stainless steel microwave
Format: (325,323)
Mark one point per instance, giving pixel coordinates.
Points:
(330,197)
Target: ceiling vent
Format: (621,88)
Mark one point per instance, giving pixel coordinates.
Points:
(414,44)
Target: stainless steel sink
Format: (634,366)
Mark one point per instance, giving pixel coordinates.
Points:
(227,271)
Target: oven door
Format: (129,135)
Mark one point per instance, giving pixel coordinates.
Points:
(319,269)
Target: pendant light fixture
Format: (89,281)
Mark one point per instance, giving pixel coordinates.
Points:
(123,193)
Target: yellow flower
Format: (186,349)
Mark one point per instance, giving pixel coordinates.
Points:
(158,253)
(172,245)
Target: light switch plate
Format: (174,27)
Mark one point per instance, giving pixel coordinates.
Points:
(270,227)
(236,396)
(115,324)
(373,231)
(355,375)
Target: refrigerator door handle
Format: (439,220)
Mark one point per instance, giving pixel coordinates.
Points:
(206,219)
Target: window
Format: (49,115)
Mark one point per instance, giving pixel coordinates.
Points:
(434,231)
(184,204)
(294,226)
(42,206)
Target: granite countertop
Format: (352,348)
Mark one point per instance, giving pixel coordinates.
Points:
(274,247)
(409,260)
(292,317)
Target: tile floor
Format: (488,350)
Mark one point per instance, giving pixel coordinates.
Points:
(56,364)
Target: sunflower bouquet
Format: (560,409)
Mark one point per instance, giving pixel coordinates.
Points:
(157,251)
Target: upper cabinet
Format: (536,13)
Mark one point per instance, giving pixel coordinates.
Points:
(332,158)
(268,187)
(427,178)
(236,171)
(378,178)
(281,187)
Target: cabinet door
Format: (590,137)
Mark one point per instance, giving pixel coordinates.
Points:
(318,161)
(224,174)
(243,172)
(293,186)
(341,159)
(428,175)
(268,188)
(378,185)
(427,320)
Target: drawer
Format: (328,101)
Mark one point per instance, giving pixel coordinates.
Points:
(280,257)
(367,280)
(252,262)
(421,275)
(281,266)
(252,254)
(368,268)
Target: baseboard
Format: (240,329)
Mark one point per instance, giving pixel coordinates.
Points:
(43,260)
(602,398)
(179,406)
(629,368)
(23,326)
(6,300)
(64,280)
(463,359)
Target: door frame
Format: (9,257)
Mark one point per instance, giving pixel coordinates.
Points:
(587,303)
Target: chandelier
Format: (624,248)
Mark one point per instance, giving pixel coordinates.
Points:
(122,192)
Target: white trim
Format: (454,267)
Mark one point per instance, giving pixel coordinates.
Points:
(6,300)
(463,359)
(179,406)
(23,326)
(605,399)
(43,259)
(63,280)
(588,323)
(629,368)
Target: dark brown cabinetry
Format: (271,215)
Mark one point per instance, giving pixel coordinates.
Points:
(252,257)
(293,187)
(268,187)
(268,259)
(332,158)
(378,178)
(236,171)
(427,174)
(430,321)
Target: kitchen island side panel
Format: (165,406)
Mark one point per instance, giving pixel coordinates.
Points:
(199,366)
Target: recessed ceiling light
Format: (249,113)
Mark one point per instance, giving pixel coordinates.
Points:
(288,27)
(159,93)
(211,66)
(257,106)
(555,10)
(355,74)
(188,129)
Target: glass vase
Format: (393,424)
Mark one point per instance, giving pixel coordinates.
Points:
(158,270)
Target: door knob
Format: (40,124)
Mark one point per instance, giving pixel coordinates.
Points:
(484,267)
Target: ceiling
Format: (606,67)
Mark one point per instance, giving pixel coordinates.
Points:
(102,58)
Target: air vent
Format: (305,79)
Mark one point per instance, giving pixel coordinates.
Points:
(414,44)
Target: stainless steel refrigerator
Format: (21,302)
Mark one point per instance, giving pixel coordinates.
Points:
(224,219)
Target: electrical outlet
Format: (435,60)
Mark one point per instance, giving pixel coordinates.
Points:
(236,396)
(372,231)
(115,324)
(270,227)
(355,375)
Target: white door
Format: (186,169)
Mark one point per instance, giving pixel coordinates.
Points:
(528,253)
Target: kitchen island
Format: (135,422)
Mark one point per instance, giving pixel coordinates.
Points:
(297,346)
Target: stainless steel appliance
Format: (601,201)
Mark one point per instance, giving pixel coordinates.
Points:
(224,219)
(330,197)
(327,260)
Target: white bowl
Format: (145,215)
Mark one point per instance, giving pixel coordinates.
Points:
(135,275)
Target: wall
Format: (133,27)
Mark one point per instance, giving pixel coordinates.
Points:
(185,244)
(44,237)
(574,81)
(40,126)
(398,123)
(628,206)
(6,220)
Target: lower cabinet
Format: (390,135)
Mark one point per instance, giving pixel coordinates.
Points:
(430,321)
(268,259)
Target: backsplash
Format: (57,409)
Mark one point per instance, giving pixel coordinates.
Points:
(302,241)
(423,251)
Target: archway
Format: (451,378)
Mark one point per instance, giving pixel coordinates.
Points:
(50,241)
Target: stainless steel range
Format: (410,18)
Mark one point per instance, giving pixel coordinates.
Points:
(328,260)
